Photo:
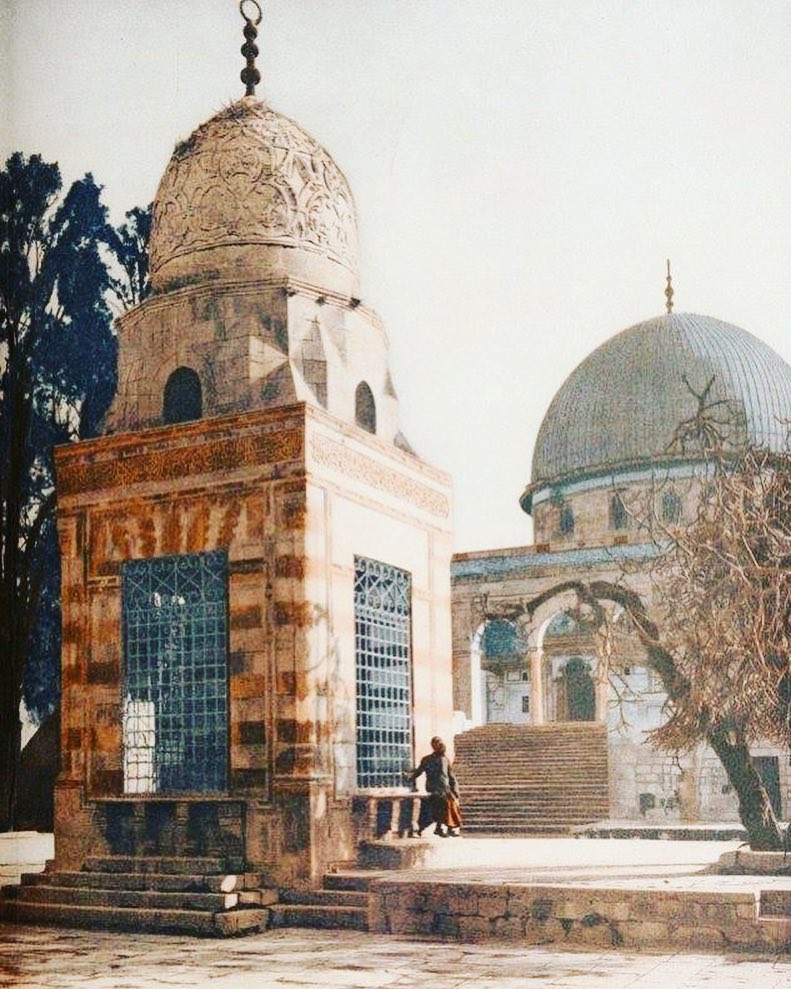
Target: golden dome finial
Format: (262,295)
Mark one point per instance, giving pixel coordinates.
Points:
(669,289)
(251,12)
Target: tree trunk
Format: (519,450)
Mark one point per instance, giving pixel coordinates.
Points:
(10,749)
(755,808)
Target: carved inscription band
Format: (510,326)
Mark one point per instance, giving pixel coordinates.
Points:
(170,464)
(362,468)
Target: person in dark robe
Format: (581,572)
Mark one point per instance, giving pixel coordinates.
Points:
(442,789)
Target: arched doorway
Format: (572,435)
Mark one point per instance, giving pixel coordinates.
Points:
(576,692)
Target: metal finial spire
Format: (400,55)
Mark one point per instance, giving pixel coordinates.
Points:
(669,289)
(251,12)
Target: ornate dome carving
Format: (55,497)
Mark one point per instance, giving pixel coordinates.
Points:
(622,404)
(251,193)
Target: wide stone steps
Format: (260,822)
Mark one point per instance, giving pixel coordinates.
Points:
(342,902)
(310,915)
(532,779)
(194,896)
(538,786)
(325,897)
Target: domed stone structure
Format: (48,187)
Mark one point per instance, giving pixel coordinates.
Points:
(255,301)
(255,565)
(611,433)
(251,191)
(623,403)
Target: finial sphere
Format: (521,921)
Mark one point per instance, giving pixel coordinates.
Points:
(250,75)
(254,15)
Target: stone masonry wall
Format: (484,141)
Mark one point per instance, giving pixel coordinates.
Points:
(565,915)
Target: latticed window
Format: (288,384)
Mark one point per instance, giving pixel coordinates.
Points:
(382,618)
(175,673)
(671,507)
(619,517)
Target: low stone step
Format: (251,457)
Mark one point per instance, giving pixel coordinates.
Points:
(162,864)
(347,880)
(483,775)
(194,922)
(775,903)
(527,818)
(533,793)
(325,897)
(494,828)
(777,931)
(529,814)
(517,813)
(305,915)
(161,882)
(133,899)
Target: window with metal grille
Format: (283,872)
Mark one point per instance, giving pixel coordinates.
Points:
(175,673)
(382,619)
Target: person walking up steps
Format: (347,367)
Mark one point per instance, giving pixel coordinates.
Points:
(443,791)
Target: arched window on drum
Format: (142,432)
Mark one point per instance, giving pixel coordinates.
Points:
(183,399)
(365,408)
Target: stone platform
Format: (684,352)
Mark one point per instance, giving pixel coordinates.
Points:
(615,893)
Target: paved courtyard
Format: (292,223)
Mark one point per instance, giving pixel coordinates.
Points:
(64,959)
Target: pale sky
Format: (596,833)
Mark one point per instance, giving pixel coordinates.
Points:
(521,168)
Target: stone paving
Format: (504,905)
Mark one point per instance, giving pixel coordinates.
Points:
(35,958)
(41,958)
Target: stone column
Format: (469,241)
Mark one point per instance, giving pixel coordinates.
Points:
(602,682)
(536,660)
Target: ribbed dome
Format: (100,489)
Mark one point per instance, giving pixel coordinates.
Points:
(250,194)
(623,403)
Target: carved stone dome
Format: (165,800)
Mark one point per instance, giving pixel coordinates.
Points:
(621,406)
(250,194)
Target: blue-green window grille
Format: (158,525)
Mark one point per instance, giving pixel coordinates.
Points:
(382,619)
(175,673)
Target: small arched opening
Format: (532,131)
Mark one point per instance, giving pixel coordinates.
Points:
(619,517)
(365,408)
(183,399)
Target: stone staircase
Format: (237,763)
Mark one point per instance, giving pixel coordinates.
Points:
(341,903)
(197,896)
(532,779)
